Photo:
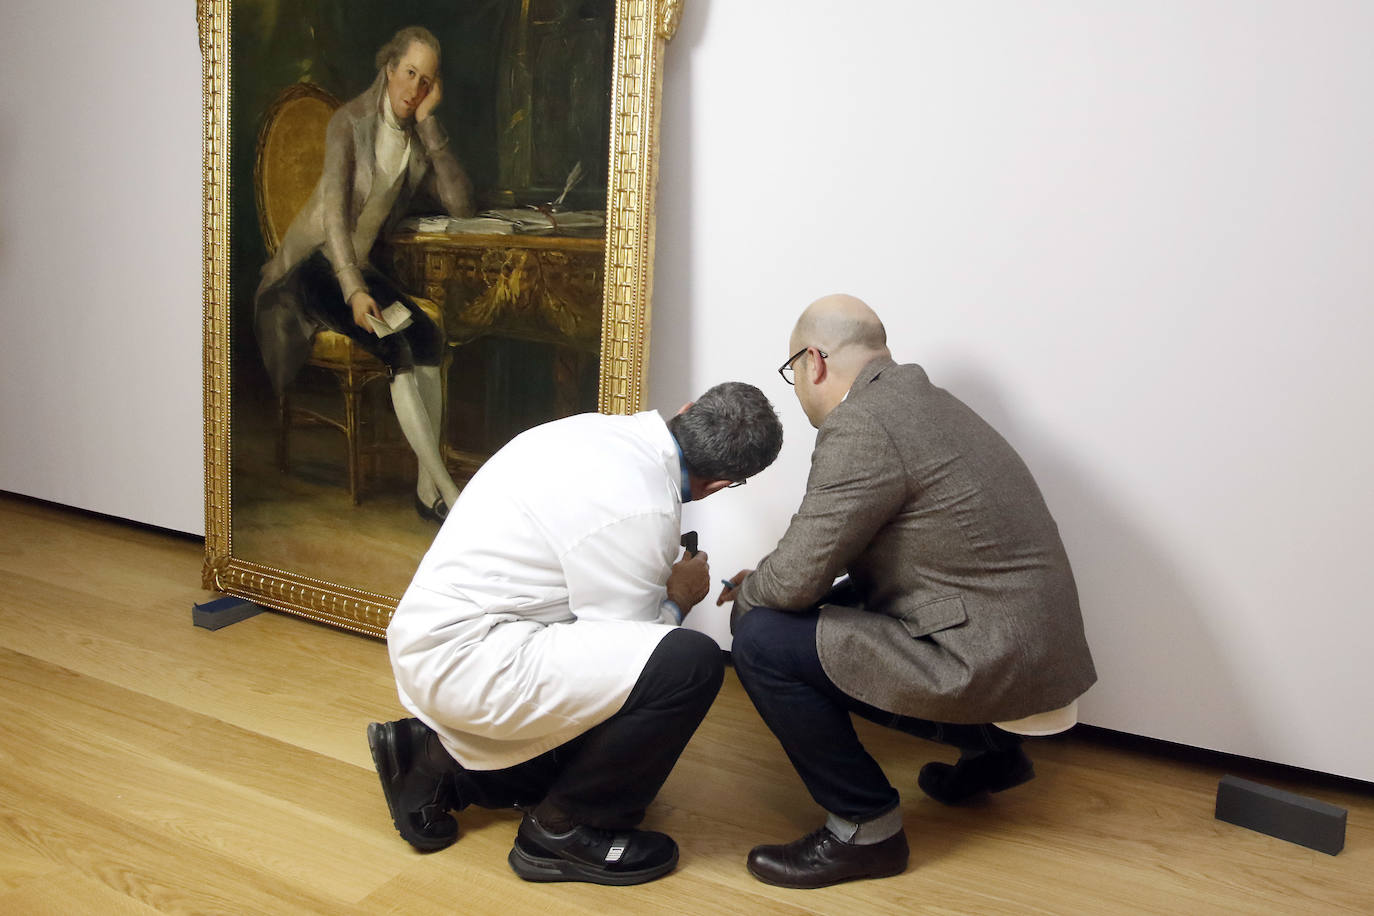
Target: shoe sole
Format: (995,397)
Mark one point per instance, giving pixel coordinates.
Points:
(807,886)
(547,868)
(388,768)
(1017,779)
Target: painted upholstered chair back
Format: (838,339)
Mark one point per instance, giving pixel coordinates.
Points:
(290,156)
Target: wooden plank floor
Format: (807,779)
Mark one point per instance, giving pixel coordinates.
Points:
(147,765)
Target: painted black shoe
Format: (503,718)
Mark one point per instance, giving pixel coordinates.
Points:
(435,512)
(417,780)
(971,778)
(590,854)
(821,859)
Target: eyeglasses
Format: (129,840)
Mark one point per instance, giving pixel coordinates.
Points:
(737,483)
(786,371)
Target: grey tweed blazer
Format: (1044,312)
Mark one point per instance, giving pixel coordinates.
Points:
(962,606)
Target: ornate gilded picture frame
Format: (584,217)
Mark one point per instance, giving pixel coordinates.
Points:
(534,278)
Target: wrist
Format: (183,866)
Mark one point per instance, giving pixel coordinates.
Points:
(683,599)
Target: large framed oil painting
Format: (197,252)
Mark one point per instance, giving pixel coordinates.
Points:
(428,227)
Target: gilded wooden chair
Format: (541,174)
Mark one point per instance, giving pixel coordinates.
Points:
(290,159)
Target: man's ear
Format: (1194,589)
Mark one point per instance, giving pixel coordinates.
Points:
(816,369)
(683,409)
(714,487)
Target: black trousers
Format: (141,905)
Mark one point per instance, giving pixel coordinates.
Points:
(607,776)
(778,664)
(420,344)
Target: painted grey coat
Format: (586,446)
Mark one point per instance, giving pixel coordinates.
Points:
(327,221)
(964,607)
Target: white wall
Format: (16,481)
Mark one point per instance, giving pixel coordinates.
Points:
(1137,237)
(100,292)
(1134,236)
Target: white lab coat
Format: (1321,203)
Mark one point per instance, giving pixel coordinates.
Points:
(539,602)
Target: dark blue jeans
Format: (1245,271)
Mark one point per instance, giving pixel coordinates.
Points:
(777,662)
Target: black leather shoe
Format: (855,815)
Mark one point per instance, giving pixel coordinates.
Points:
(971,777)
(418,781)
(431,513)
(820,859)
(590,854)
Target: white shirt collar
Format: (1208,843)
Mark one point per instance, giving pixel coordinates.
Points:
(389,116)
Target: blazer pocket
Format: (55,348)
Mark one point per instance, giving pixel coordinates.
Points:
(934,616)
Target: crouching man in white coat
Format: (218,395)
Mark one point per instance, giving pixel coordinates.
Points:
(538,645)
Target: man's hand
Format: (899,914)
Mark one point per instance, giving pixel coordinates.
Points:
(729,592)
(689,582)
(363,305)
(430,101)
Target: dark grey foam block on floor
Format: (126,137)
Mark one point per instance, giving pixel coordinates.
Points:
(1285,815)
(222,611)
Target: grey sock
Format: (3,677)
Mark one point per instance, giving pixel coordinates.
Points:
(870,831)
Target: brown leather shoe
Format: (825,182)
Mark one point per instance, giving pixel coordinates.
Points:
(820,859)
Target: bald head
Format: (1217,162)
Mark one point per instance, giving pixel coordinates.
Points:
(834,339)
(844,327)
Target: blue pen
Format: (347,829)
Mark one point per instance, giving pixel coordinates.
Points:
(728,584)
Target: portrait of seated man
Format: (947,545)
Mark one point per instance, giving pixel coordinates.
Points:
(384,149)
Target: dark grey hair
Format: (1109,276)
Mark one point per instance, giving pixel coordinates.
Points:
(731,432)
(395,49)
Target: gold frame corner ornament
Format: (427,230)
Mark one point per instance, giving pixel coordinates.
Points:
(641,29)
(670,17)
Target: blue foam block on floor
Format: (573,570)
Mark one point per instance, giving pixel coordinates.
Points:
(213,615)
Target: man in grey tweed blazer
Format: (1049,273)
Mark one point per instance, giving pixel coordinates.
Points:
(958,621)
